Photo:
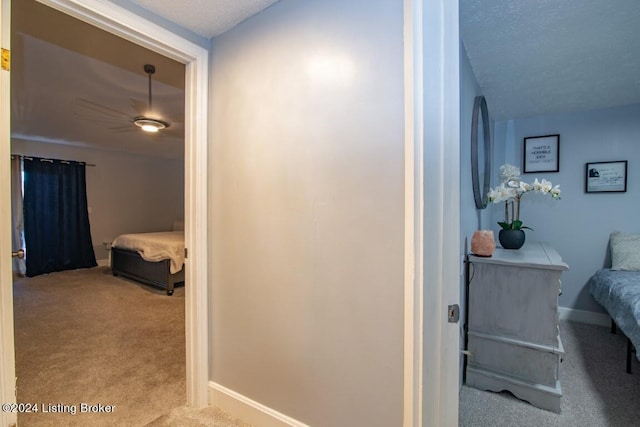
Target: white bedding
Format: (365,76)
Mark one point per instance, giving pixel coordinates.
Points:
(155,247)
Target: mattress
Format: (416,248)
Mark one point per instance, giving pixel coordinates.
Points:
(155,247)
(619,293)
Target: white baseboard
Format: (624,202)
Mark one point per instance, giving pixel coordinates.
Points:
(247,409)
(103,262)
(582,316)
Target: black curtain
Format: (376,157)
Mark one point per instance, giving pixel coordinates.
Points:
(56,220)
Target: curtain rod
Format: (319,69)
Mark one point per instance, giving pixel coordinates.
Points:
(51,160)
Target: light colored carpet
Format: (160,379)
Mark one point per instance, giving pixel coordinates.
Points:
(84,336)
(189,417)
(596,389)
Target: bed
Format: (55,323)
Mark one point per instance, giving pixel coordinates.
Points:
(155,259)
(617,289)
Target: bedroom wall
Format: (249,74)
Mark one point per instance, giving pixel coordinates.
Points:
(579,224)
(471,219)
(307,204)
(125,193)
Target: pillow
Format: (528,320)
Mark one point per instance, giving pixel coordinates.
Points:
(625,251)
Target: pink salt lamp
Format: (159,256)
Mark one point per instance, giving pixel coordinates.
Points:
(483,243)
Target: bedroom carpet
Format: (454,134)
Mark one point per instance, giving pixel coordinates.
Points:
(596,389)
(84,336)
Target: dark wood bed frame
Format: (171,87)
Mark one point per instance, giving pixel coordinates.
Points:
(130,264)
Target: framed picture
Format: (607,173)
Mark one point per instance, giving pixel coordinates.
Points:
(606,177)
(541,154)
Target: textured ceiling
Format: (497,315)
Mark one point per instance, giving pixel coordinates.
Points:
(72,99)
(541,57)
(74,84)
(529,57)
(208,18)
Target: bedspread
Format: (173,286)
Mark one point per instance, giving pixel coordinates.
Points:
(155,247)
(619,293)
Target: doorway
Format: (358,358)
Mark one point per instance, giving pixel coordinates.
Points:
(134,28)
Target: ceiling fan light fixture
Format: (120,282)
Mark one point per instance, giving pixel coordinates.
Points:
(150,125)
(147,123)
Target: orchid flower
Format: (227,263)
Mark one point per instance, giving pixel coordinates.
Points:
(511,190)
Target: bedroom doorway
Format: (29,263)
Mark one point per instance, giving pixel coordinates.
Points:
(134,28)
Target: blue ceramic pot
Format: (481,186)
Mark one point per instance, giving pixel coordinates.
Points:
(511,239)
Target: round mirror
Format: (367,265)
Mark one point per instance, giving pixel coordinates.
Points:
(480,152)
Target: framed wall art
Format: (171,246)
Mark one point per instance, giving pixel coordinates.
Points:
(606,177)
(541,154)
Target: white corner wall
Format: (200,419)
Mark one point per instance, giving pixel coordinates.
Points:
(307,164)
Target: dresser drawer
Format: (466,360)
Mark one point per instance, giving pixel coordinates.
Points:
(515,301)
(516,359)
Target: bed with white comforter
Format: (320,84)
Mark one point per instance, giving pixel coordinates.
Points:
(153,258)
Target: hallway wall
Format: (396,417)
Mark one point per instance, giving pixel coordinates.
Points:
(307,194)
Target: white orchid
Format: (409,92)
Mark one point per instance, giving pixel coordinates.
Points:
(511,190)
(501,193)
(545,186)
(508,172)
(524,187)
(513,183)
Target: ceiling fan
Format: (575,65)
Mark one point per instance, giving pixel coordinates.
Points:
(150,124)
(146,119)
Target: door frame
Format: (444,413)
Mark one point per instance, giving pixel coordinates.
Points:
(126,24)
(442,262)
(7,354)
(432,230)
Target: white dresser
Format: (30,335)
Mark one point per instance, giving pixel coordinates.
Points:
(513,336)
